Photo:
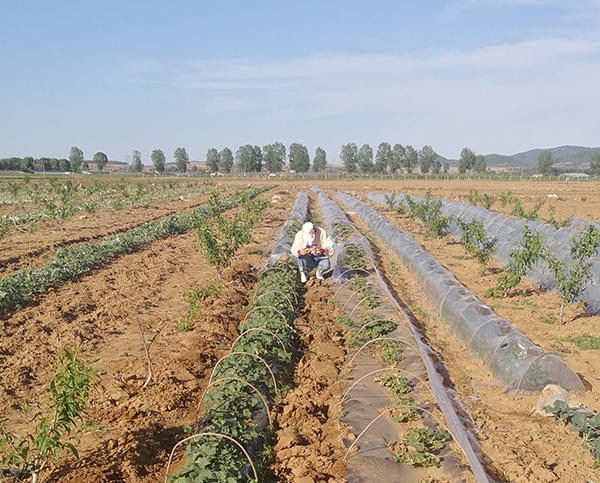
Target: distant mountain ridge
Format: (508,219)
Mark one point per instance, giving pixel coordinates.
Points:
(563,156)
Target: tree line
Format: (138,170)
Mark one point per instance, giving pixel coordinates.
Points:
(76,162)
(273,157)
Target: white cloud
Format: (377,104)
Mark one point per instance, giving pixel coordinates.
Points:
(493,98)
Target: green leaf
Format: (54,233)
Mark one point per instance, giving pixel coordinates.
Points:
(73,450)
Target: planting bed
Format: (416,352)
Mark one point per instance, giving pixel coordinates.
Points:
(132,429)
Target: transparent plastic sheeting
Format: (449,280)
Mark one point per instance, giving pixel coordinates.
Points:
(516,362)
(509,231)
(333,215)
(284,243)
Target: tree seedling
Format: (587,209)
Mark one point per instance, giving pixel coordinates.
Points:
(55,430)
(475,241)
(572,277)
(522,259)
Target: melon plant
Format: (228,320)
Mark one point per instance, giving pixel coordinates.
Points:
(233,410)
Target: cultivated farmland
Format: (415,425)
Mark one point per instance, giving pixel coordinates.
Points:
(152,318)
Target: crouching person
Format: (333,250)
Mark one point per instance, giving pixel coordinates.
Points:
(313,249)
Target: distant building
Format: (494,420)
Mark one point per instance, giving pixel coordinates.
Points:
(569,176)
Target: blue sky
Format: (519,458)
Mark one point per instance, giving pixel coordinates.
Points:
(498,76)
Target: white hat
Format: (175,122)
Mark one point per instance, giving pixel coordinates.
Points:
(307,227)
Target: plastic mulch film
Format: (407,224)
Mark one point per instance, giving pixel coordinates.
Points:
(284,242)
(515,361)
(343,234)
(509,231)
(448,405)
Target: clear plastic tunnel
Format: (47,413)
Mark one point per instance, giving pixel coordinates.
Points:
(509,232)
(451,408)
(285,240)
(516,362)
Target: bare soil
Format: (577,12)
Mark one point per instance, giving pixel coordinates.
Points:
(132,429)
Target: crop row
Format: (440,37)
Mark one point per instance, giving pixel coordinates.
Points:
(231,441)
(516,361)
(60,201)
(372,329)
(70,263)
(562,259)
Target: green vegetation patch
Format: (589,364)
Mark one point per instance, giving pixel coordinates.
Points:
(585,342)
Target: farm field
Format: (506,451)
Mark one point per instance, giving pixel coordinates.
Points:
(132,428)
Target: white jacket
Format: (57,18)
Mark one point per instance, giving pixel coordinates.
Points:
(322,241)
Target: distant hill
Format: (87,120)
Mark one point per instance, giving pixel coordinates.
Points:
(442,160)
(563,157)
(496,160)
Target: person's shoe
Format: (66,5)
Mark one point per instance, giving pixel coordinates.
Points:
(320,275)
(302,277)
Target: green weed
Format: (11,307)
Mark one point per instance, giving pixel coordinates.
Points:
(549,319)
(585,342)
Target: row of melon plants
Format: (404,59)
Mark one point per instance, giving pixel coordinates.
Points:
(390,343)
(231,442)
(57,200)
(71,263)
(420,441)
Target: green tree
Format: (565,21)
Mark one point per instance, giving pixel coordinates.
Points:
(100,159)
(212,160)
(595,165)
(397,159)
(466,162)
(522,258)
(320,160)
(76,159)
(411,158)
(258,159)
(158,160)
(446,167)
(479,165)
(226,160)
(348,156)
(274,156)
(26,164)
(136,164)
(427,159)
(39,165)
(245,158)
(383,157)
(299,158)
(545,163)
(181,159)
(365,159)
